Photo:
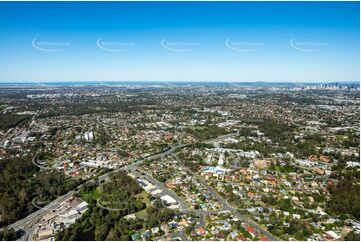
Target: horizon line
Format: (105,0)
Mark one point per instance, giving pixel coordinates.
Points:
(182,81)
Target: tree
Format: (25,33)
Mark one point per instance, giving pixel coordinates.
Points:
(101,231)
(352,236)
(139,205)
(158,203)
(345,197)
(8,234)
(21,182)
(101,224)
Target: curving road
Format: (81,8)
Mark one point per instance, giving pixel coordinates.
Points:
(37,215)
(27,222)
(227,206)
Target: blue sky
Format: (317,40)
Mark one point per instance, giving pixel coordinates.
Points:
(179,41)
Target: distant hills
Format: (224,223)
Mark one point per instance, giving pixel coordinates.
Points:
(180,83)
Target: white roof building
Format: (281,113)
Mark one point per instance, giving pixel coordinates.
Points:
(89,136)
(168,199)
(333,235)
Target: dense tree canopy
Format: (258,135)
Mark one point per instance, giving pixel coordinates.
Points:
(11,120)
(22,184)
(345,197)
(103,224)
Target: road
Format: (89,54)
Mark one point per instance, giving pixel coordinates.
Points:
(227,206)
(40,213)
(37,215)
(220,138)
(163,188)
(202,222)
(11,133)
(204,212)
(183,206)
(27,222)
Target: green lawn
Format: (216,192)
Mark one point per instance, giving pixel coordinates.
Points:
(94,194)
(142,214)
(144,197)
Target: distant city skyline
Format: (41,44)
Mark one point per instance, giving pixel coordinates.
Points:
(179,41)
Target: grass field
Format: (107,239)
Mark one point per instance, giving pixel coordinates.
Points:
(94,194)
(144,197)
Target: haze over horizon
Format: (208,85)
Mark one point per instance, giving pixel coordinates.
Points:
(179,41)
